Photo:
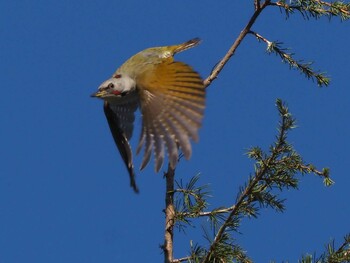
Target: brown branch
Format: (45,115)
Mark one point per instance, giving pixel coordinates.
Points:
(313,170)
(181,259)
(256,4)
(209,213)
(214,74)
(169,216)
(260,37)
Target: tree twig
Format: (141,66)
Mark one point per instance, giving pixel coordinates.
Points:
(215,72)
(209,213)
(304,68)
(181,259)
(169,216)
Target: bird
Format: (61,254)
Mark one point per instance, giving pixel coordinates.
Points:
(171,98)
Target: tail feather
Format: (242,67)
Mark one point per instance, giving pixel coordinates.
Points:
(189,44)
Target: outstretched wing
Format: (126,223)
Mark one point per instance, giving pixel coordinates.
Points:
(172,106)
(120,117)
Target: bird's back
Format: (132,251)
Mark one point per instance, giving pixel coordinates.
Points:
(150,57)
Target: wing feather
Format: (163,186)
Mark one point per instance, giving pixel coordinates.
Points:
(172,97)
(124,110)
(121,140)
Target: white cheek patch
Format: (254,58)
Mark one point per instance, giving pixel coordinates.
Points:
(127,83)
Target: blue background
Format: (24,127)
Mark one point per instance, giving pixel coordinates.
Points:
(64,191)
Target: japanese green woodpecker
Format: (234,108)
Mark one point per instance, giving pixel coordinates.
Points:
(171,98)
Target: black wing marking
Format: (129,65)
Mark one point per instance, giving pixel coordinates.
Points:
(120,135)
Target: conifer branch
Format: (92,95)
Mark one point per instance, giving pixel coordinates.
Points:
(315,8)
(332,254)
(305,68)
(274,170)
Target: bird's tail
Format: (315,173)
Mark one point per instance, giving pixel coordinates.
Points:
(184,46)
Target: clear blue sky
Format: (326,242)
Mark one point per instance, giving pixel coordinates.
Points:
(64,191)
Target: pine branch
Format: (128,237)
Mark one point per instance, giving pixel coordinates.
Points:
(342,254)
(242,197)
(190,201)
(273,170)
(315,8)
(331,255)
(304,68)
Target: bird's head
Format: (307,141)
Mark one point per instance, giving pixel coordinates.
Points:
(117,86)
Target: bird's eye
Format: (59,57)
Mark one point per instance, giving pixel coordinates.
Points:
(111,85)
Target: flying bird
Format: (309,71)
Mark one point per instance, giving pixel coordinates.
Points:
(171,98)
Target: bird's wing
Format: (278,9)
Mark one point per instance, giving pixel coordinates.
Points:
(172,97)
(124,111)
(120,117)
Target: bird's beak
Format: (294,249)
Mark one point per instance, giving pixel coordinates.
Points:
(98,94)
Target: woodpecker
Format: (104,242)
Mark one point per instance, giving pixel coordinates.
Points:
(171,98)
